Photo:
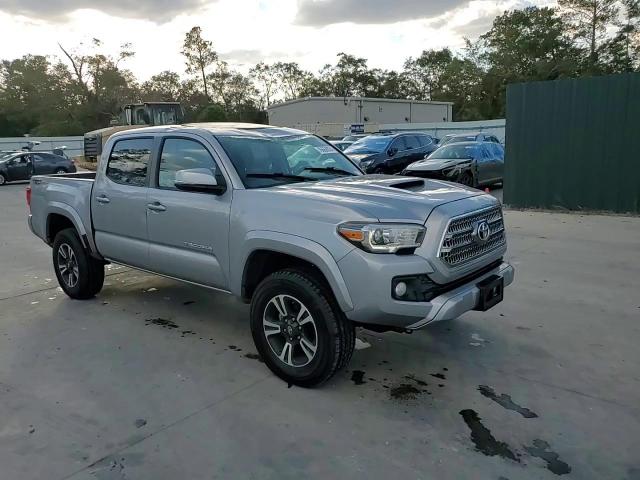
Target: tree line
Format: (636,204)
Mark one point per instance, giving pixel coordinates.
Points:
(84,88)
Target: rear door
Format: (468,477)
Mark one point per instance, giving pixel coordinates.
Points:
(188,231)
(414,150)
(119,202)
(498,161)
(485,163)
(42,164)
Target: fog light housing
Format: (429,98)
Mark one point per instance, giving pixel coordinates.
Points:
(400,289)
(413,288)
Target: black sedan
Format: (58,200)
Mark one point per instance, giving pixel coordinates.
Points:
(471,163)
(390,153)
(23,165)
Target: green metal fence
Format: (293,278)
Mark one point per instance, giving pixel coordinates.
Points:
(574,144)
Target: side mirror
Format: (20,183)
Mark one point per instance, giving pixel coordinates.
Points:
(392,151)
(198,180)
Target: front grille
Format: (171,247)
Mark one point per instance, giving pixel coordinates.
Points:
(459,245)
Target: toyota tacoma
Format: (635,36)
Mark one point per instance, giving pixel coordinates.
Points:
(284,221)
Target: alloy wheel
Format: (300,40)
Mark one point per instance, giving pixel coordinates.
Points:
(68,265)
(290,330)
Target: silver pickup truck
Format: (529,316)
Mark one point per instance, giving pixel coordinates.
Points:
(282,220)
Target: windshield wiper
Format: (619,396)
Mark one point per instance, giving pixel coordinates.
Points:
(286,176)
(328,170)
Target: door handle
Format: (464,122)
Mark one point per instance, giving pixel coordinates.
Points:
(102,199)
(156,207)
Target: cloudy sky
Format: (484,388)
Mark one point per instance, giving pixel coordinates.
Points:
(244,32)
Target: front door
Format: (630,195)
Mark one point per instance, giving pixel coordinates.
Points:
(396,162)
(21,168)
(188,231)
(119,203)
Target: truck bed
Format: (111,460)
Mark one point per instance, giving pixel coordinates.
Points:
(66,194)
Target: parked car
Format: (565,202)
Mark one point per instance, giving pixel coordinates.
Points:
(355,137)
(390,153)
(468,137)
(341,144)
(470,163)
(23,165)
(316,247)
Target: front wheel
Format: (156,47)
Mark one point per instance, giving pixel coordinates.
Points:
(467,179)
(3,179)
(80,276)
(298,330)
(59,171)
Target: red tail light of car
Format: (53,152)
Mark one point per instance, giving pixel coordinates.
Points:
(28,193)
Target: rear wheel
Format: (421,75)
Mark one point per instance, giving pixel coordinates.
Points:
(80,275)
(298,330)
(60,170)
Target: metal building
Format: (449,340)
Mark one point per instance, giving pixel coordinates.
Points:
(306,113)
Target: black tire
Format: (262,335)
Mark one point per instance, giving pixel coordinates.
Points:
(334,333)
(89,272)
(3,180)
(60,170)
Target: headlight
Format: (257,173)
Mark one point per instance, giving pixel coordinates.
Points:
(366,163)
(383,237)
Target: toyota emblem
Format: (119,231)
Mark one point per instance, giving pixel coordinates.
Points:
(482,232)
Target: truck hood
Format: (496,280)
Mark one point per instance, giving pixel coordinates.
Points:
(382,197)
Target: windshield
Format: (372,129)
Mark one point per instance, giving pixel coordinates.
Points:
(371,144)
(268,161)
(455,152)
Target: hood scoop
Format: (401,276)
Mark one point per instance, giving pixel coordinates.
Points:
(409,185)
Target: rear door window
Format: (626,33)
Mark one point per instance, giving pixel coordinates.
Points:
(400,144)
(129,161)
(412,141)
(425,140)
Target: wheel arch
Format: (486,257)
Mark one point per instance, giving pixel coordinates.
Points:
(62,216)
(267,252)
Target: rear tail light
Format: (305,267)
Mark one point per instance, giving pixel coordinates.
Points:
(28,193)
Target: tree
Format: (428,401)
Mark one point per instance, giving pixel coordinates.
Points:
(523,45)
(293,80)
(589,20)
(266,76)
(101,85)
(422,76)
(162,87)
(529,44)
(199,54)
(623,50)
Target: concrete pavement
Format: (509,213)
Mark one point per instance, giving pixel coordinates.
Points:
(154,379)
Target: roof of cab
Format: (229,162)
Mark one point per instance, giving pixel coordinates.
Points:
(218,128)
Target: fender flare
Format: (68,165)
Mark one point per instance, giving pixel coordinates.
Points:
(299,247)
(59,208)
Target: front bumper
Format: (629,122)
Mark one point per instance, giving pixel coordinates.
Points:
(454,303)
(369,278)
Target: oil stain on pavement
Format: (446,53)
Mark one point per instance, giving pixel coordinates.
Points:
(541,450)
(357,377)
(505,401)
(482,438)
